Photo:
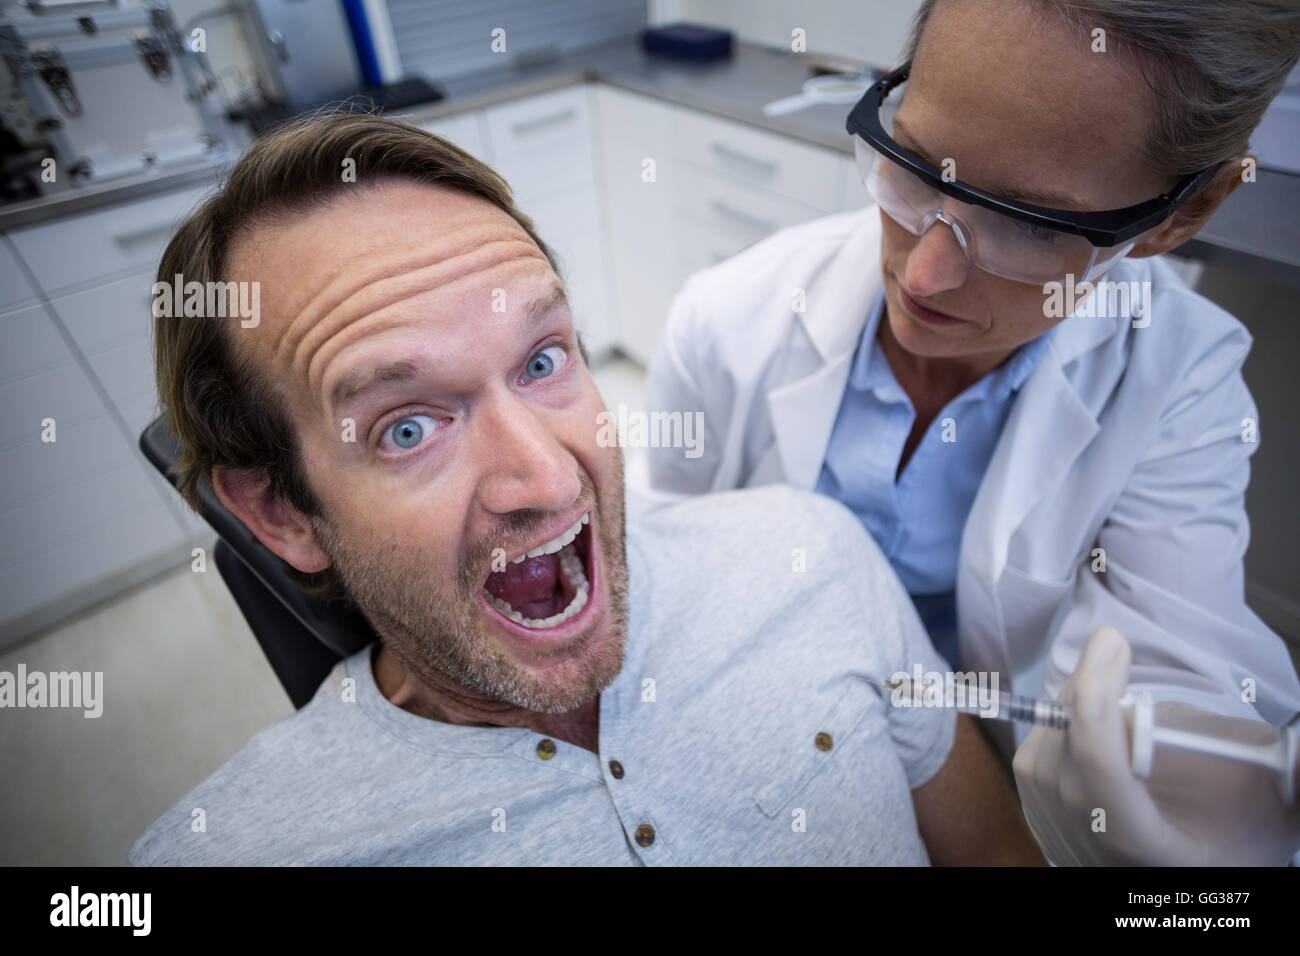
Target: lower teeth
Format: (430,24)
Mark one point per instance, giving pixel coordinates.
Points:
(571,567)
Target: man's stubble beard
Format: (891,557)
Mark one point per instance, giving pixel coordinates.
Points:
(433,629)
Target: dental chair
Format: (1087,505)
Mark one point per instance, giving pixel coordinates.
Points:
(302,637)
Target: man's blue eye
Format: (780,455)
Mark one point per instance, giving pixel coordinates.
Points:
(545,363)
(410,431)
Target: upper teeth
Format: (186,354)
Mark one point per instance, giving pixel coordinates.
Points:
(558,542)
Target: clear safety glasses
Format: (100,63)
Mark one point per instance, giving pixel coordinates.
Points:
(1014,240)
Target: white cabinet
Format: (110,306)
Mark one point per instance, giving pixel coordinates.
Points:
(111,326)
(14,287)
(126,237)
(81,509)
(718,187)
(544,148)
(730,216)
(747,156)
(85,514)
(462,129)
(639,176)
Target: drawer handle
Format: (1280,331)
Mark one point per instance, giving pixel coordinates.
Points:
(527,126)
(128,236)
(754,222)
(768,166)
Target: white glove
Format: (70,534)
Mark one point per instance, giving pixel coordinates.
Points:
(1084,806)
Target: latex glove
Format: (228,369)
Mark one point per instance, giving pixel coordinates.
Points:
(1192,809)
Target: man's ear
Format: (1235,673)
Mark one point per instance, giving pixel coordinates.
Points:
(1188,219)
(246,493)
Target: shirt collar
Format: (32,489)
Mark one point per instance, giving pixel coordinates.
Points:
(871,370)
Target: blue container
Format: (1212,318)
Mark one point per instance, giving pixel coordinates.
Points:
(688,42)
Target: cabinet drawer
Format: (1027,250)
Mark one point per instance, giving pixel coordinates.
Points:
(29,343)
(747,155)
(739,211)
(14,287)
(109,315)
(461,129)
(113,327)
(556,120)
(77,249)
(701,246)
(62,544)
(569,223)
(535,178)
(64,393)
(35,470)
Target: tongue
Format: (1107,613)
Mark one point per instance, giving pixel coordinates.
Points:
(529,586)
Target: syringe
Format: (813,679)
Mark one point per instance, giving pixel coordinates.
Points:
(999,706)
(1278,756)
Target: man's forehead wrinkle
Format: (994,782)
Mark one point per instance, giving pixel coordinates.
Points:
(361,315)
(368,264)
(347,300)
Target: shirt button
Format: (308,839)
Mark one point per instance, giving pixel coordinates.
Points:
(645,834)
(616,769)
(546,749)
(823,741)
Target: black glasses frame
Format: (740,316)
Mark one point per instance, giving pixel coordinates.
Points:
(1108,228)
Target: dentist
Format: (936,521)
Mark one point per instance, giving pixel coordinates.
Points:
(1045,430)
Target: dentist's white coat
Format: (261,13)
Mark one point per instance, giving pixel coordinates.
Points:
(1126,439)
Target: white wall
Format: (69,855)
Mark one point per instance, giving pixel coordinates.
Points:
(865,31)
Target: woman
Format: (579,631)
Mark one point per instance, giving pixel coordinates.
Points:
(1044,429)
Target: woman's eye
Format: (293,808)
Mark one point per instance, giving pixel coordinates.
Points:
(547,362)
(1037,232)
(408,432)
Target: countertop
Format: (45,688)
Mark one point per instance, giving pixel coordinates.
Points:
(1255,231)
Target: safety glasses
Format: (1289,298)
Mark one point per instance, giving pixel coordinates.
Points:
(1014,240)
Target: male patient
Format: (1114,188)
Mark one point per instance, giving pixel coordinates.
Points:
(409,421)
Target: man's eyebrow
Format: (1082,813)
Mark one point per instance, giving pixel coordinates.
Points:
(354,383)
(1052,200)
(537,308)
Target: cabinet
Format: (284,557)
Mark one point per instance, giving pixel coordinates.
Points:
(718,187)
(84,515)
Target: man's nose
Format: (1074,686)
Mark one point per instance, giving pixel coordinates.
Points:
(523,464)
(937,261)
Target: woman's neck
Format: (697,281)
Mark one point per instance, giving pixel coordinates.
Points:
(931,383)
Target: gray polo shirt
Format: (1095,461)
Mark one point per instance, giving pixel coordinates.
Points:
(734,733)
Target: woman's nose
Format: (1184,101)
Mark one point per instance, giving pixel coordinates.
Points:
(937,261)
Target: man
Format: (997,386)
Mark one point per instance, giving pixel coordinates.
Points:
(410,420)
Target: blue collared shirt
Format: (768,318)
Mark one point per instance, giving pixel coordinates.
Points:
(918,519)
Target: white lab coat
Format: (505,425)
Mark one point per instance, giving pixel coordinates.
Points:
(1126,439)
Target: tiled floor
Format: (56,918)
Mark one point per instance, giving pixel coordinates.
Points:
(185,685)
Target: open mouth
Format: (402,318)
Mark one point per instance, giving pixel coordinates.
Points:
(549,584)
